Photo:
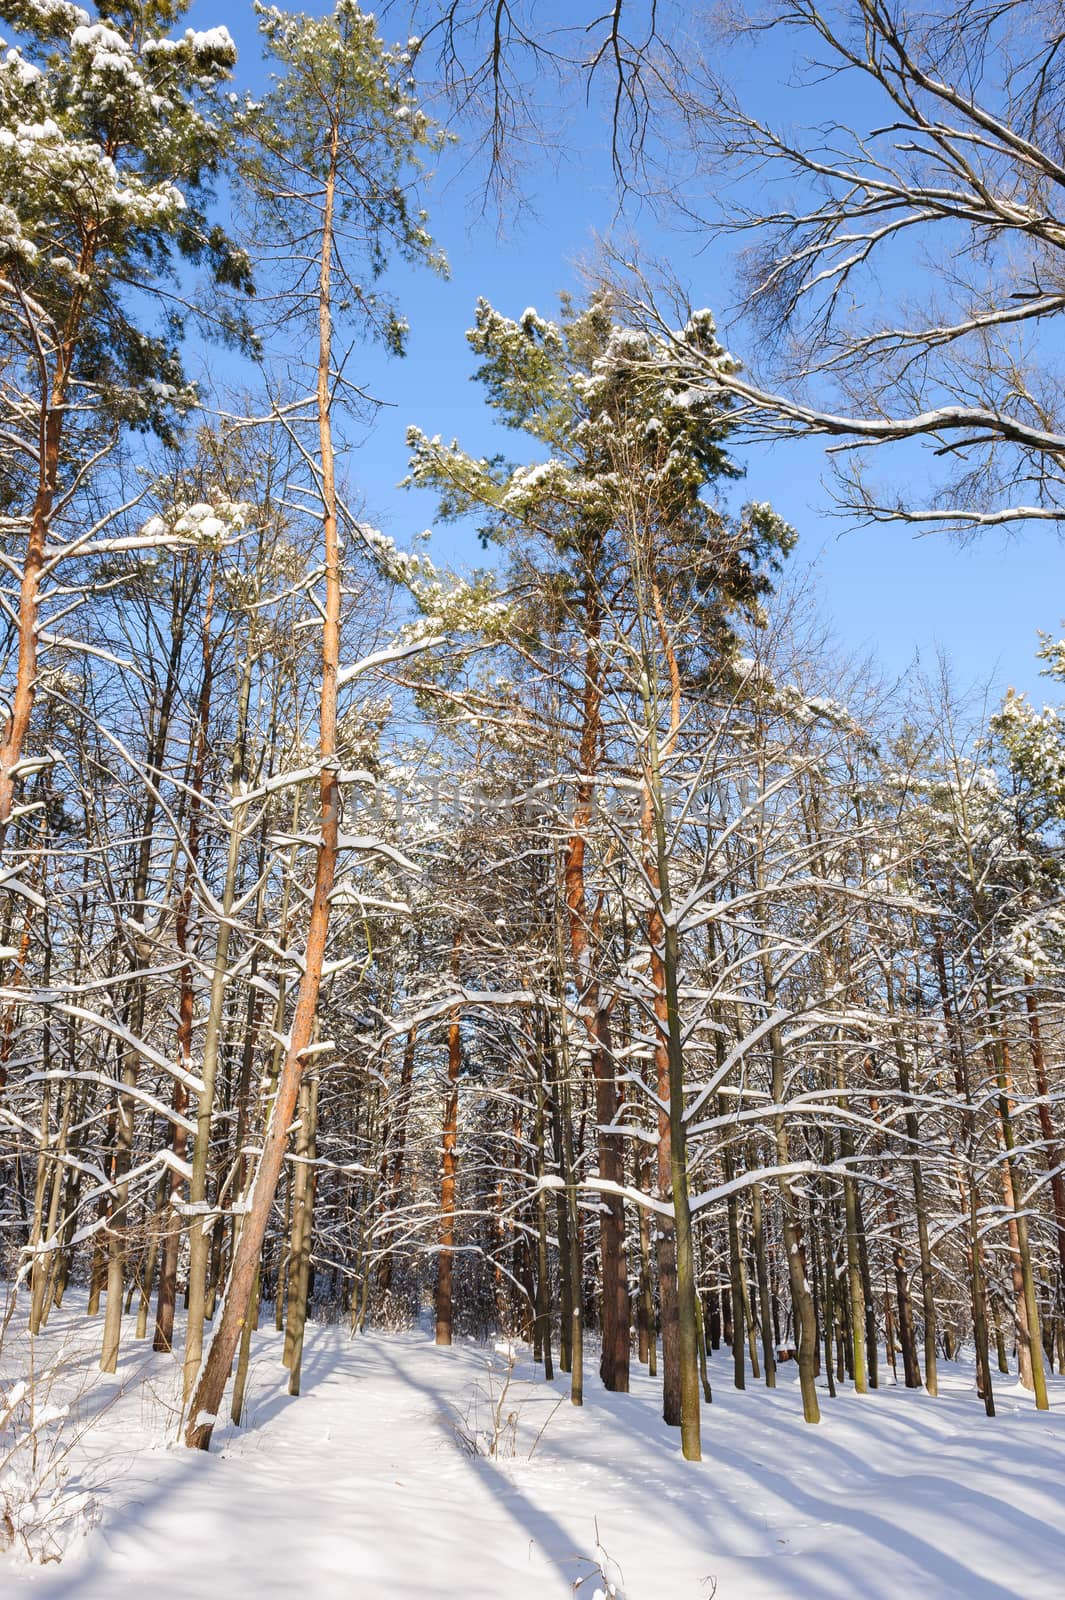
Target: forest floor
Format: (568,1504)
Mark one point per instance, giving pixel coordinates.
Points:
(361,1487)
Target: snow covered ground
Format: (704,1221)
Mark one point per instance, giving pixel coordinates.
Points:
(361,1489)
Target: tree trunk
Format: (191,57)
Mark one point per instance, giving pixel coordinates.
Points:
(680,1355)
(214,1375)
(614,1362)
(928,1303)
(543,1288)
(449,1164)
(300,1271)
(399,1122)
(761,1266)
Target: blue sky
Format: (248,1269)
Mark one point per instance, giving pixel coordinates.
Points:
(881,589)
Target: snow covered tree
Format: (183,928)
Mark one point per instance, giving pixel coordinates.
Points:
(608,537)
(111,134)
(331,157)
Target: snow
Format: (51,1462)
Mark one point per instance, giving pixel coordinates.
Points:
(104,43)
(382,658)
(53,13)
(23,71)
(216,41)
(361,1486)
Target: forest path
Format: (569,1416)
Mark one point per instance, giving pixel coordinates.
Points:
(359,1489)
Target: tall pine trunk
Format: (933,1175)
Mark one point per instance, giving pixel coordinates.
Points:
(210,1387)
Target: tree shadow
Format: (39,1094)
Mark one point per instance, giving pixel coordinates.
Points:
(549,1535)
